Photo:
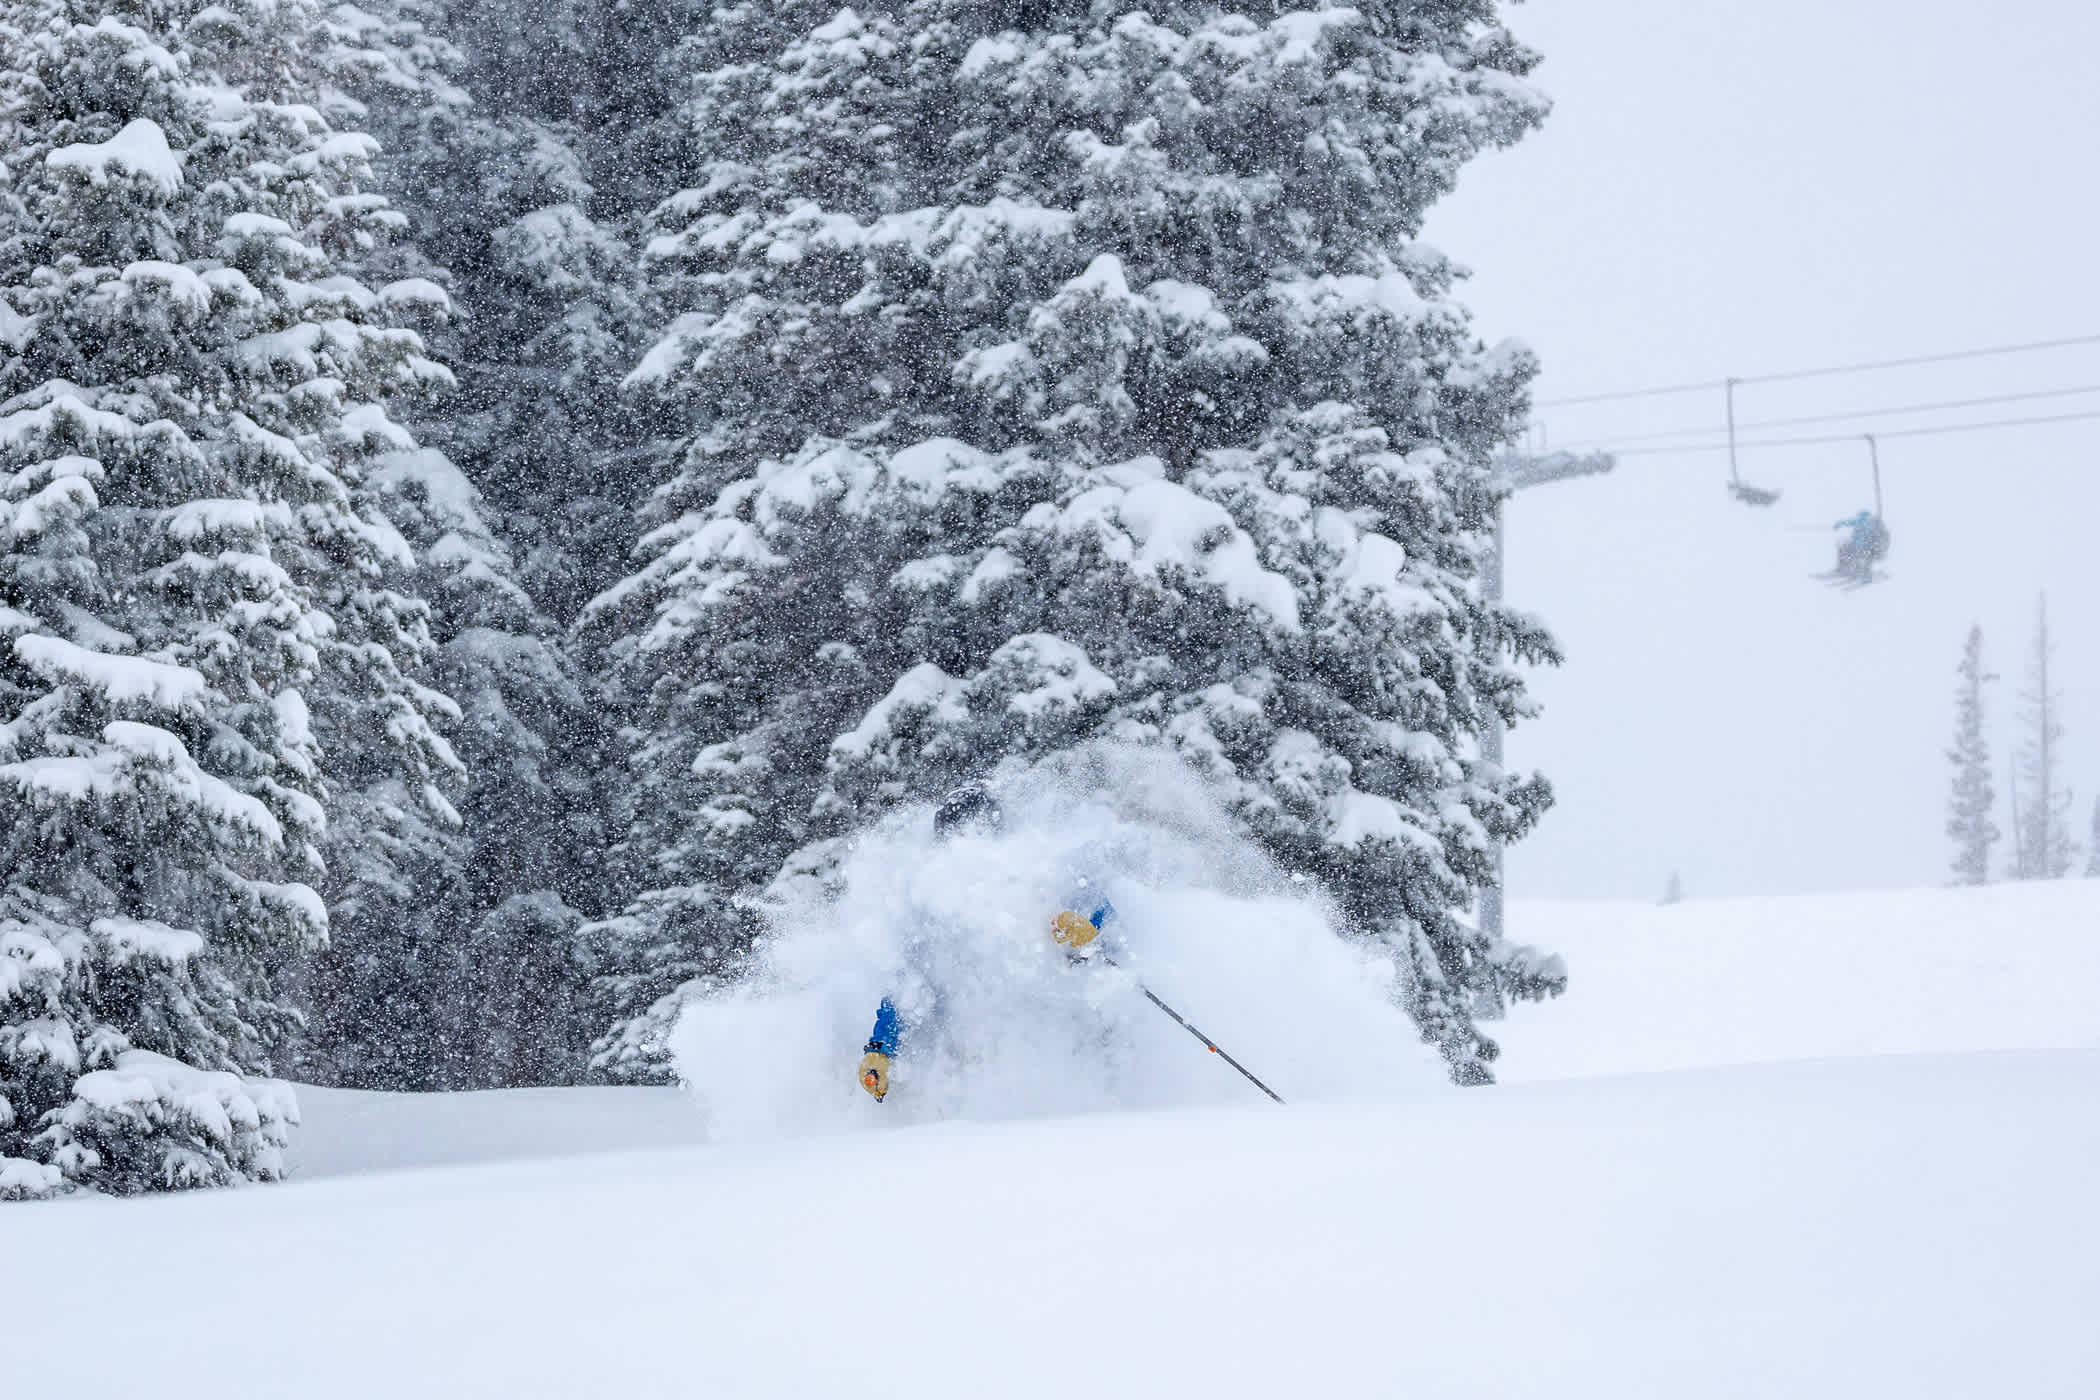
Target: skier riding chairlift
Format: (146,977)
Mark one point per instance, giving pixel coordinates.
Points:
(1868,544)
(1860,551)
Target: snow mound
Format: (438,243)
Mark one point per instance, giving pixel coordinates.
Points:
(152,1123)
(24,1180)
(352,1132)
(1753,981)
(140,149)
(1000,1023)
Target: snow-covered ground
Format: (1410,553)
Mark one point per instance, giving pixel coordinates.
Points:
(1750,981)
(348,1130)
(1916,1220)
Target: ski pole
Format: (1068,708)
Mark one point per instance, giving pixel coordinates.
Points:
(1211,1044)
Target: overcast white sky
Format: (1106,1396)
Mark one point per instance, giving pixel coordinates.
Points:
(1737,187)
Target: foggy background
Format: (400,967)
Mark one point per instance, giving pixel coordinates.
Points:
(1736,189)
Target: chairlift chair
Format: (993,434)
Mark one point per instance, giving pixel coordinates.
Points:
(1742,490)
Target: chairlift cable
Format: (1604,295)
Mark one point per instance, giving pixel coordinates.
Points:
(1821,371)
(1988,400)
(1854,437)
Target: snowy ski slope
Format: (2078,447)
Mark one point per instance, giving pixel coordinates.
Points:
(1751,981)
(1915,1220)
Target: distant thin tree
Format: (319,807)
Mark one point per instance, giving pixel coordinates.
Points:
(1673,892)
(2044,819)
(2012,778)
(2092,860)
(1971,797)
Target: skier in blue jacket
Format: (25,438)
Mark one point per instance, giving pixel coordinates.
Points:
(1075,928)
(1866,546)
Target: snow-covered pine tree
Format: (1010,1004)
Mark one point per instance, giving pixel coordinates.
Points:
(483,976)
(209,675)
(491,140)
(471,984)
(1971,797)
(466,977)
(1060,371)
(2044,817)
(2092,859)
(527,143)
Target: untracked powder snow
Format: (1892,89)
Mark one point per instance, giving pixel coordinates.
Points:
(1913,1225)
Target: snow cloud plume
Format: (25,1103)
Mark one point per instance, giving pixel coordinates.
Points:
(999,1023)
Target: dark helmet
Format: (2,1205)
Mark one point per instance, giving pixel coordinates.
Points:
(969,806)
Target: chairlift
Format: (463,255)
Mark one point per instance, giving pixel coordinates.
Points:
(1742,490)
(1859,552)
